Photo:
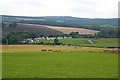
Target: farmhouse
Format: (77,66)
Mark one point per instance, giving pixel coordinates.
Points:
(30,40)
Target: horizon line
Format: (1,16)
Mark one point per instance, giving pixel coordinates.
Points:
(57,16)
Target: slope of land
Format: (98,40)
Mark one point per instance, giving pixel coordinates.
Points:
(32,27)
(47,30)
(66,30)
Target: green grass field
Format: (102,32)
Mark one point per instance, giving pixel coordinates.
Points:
(60,65)
(105,42)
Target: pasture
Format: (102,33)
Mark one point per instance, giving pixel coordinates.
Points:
(104,42)
(28,61)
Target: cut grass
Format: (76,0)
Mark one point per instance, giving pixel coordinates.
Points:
(28,61)
(38,48)
(59,65)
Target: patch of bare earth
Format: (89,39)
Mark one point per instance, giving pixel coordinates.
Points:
(66,30)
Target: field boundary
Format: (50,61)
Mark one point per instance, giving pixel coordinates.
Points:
(60,79)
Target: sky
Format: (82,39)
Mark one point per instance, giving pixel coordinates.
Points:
(75,8)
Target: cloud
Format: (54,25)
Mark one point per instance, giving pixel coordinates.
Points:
(76,8)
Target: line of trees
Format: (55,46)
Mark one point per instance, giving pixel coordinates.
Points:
(15,38)
(12,25)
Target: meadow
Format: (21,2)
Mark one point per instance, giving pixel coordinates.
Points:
(103,42)
(28,61)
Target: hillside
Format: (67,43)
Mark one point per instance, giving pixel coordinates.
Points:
(32,27)
(108,27)
(66,30)
(47,30)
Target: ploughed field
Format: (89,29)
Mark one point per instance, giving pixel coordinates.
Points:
(66,30)
(44,61)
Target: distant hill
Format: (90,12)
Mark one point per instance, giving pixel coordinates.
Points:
(108,27)
(65,21)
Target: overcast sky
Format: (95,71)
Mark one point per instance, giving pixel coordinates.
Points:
(75,8)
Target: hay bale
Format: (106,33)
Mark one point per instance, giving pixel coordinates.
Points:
(75,47)
(50,49)
(116,50)
(44,50)
(57,51)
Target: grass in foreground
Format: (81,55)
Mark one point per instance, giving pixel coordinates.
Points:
(59,65)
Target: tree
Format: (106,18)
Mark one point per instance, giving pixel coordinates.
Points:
(3,24)
(22,21)
(56,41)
(74,34)
(13,25)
